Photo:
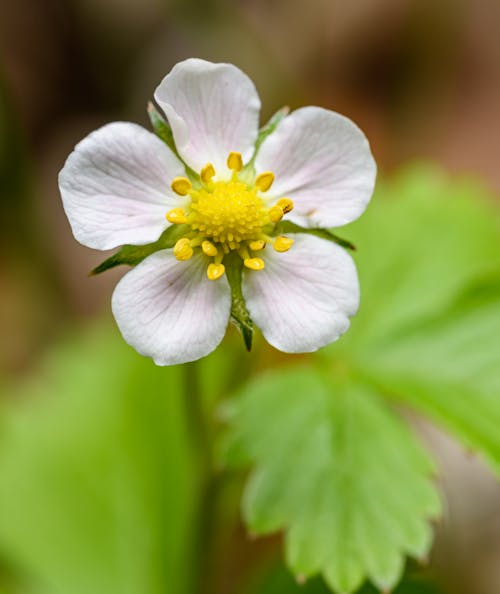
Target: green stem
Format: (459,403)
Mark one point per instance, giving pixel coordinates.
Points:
(195,414)
(204,520)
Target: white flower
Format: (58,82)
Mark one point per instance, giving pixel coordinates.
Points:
(123,185)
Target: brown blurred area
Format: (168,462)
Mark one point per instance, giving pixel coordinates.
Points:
(420,77)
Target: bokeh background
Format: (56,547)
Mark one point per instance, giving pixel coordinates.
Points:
(96,490)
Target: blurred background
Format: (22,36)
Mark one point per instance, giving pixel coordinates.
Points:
(420,77)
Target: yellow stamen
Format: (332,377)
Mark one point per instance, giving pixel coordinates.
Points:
(227,216)
(176,216)
(181,185)
(275,214)
(207,173)
(235,162)
(215,271)
(257,245)
(285,204)
(209,248)
(183,249)
(264,181)
(282,244)
(254,263)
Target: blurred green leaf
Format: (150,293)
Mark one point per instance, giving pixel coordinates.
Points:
(340,472)
(448,367)
(422,240)
(427,331)
(97,479)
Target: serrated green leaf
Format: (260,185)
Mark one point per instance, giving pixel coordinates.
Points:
(276,580)
(131,255)
(339,472)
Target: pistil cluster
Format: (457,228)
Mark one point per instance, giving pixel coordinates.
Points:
(226,216)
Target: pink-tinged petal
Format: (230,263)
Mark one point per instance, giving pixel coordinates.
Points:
(115,186)
(169,311)
(213,109)
(322,161)
(303,298)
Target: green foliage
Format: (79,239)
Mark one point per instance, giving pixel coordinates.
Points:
(99,480)
(427,331)
(449,368)
(340,472)
(334,467)
(97,477)
(276,580)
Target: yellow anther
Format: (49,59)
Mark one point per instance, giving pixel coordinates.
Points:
(254,263)
(282,244)
(207,173)
(176,216)
(257,245)
(209,248)
(181,185)
(235,162)
(285,204)
(264,181)
(215,271)
(183,249)
(275,214)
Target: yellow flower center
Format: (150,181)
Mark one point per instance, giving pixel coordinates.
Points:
(225,216)
(228,213)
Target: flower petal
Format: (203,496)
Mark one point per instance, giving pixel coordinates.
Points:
(169,310)
(303,298)
(322,161)
(213,109)
(115,186)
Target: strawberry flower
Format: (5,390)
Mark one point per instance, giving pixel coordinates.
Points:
(226,193)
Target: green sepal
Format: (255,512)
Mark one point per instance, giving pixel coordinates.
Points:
(248,171)
(131,255)
(239,313)
(161,127)
(270,127)
(289,227)
(163,130)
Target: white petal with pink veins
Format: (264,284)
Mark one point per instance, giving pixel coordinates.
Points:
(169,310)
(322,161)
(213,109)
(303,298)
(115,186)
